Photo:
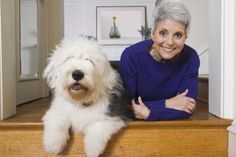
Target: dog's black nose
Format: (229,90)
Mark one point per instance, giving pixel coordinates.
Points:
(77,75)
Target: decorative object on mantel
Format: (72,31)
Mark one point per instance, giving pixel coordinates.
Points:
(126,21)
(158,2)
(114,32)
(145,32)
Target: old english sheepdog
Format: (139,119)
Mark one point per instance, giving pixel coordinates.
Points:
(88,97)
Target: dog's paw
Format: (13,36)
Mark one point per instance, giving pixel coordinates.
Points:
(53,148)
(91,154)
(94,146)
(55,144)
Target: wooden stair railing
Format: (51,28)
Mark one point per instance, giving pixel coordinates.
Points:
(188,138)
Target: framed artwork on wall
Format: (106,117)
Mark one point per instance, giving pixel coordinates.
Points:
(119,25)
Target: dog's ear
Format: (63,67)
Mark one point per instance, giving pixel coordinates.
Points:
(50,73)
(55,59)
(110,76)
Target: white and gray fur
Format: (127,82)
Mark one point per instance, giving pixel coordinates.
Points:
(88,97)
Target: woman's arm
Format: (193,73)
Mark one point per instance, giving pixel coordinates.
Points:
(165,109)
(158,110)
(182,105)
(181,102)
(128,70)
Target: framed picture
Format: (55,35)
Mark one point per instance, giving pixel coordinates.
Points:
(119,25)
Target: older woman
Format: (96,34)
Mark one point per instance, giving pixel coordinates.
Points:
(161,74)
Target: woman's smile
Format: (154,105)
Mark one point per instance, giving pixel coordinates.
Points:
(167,49)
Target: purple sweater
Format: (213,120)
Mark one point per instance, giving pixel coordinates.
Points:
(156,81)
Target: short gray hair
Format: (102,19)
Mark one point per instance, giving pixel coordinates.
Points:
(171,11)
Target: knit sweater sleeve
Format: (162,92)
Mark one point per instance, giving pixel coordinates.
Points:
(160,112)
(128,72)
(190,82)
(190,79)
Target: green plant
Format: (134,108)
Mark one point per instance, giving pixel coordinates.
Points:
(145,32)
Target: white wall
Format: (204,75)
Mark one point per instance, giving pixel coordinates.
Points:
(198,36)
(80,18)
(215,59)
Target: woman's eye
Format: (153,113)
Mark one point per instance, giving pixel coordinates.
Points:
(163,33)
(178,35)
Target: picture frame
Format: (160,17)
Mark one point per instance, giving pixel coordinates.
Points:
(128,20)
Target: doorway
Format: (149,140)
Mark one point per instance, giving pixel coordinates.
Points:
(30,21)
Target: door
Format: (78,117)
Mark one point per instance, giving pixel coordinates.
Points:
(7,59)
(31,49)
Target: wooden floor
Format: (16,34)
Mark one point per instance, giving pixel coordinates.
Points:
(33,111)
(204,135)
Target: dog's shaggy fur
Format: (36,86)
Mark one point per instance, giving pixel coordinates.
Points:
(88,97)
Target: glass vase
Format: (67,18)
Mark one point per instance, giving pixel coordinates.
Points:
(114,31)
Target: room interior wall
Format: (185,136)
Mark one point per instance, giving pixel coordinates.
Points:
(80,18)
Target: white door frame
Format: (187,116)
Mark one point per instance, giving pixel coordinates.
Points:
(222,66)
(228,47)
(222,58)
(229,90)
(25,85)
(53,32)
(7,59)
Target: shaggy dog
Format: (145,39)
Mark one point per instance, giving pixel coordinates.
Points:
(88,97)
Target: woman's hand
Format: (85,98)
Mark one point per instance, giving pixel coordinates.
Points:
(182,102)
(140,109)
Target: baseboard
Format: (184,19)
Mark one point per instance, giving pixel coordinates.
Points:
(232,139)
(232,128)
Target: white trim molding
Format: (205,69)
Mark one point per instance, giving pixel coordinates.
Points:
(229,33)
(221,59)
(232,140)
(1,95)
(228,51)
(232,128)
(7,61)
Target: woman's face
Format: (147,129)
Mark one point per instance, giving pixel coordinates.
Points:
(169,38)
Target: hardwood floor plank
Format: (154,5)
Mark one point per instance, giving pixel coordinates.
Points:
(34,111)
